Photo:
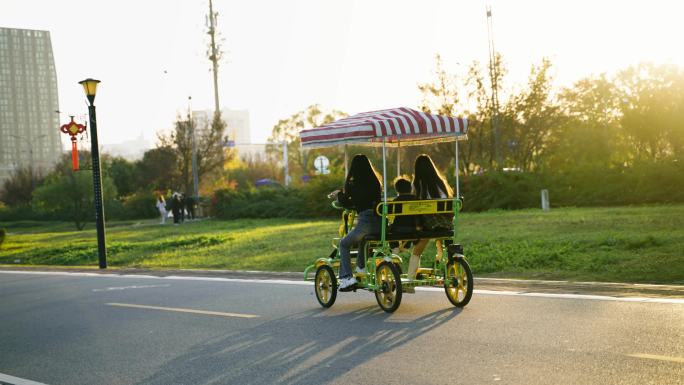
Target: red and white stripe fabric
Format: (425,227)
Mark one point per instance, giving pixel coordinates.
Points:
(394,125)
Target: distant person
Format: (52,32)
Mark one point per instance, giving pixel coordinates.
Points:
(362,191)
(161,206)
(181,202)
(176,208)
(190,203)
(428,183)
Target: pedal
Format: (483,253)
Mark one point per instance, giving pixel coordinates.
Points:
(349,288)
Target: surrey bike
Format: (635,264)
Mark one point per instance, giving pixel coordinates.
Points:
(384,277)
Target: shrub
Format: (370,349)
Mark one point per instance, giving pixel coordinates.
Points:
(3,233)
(499,190)
(315,193)
(266,202)
(141,204)
(25,212)
(70,197)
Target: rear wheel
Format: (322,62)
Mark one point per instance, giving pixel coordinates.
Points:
(326,286)
(458,282)
(388,294)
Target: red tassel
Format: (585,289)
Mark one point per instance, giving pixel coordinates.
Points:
(74,154)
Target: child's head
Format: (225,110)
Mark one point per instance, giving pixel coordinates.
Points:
(402,185)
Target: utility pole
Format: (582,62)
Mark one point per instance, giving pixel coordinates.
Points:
(214,54)
(494,79)
(285,164)
(195,176)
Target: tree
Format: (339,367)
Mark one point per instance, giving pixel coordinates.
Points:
(123,174)
(211,147)
(243,173)
(479,152)
(71,196)
(17,190)
(531,117)
(158,168)
(442,96)
(209,142)
(652,102)
(588,139)
(287,130)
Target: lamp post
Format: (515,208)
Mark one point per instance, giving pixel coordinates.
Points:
(90,87)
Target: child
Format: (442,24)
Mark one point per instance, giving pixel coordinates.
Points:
(403,223)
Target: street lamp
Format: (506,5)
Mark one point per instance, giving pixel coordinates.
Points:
(90,88)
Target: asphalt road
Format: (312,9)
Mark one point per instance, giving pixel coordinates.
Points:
(70,329)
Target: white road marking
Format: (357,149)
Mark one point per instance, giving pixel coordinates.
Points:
(656,357)
(583,283)
(17,381)
(678,301)
(181,310)
(130,287)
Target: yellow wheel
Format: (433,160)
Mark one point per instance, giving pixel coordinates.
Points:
(458,282)
(326,286)
(388,294)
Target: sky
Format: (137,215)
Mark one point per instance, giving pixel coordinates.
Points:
(352,55)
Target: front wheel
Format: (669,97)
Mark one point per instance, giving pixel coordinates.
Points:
(388,294)
(458,282)
(326,286)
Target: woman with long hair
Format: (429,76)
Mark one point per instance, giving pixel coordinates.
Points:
(429,183)
(362,191)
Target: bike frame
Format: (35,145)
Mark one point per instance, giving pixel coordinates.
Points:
(382,252)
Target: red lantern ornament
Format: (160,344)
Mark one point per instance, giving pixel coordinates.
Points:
(72,128)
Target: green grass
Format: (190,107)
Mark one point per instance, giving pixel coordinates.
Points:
(625,244)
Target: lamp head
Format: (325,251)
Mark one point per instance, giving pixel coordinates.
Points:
(90,88)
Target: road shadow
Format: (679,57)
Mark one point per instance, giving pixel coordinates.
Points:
(310,347)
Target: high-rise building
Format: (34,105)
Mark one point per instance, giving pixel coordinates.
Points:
(237,129)
(29,121)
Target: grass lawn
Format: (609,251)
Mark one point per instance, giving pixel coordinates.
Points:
(624,244)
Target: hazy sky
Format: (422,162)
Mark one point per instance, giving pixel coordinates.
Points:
(283,55)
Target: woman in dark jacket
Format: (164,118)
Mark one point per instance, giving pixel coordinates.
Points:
(362,191)
(428,183)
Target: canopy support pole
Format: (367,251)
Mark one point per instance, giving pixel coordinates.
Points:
(384,190)
(458,187)
(398,157)
(346,162)
(457,198)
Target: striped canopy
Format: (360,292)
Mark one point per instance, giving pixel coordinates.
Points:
(394,126)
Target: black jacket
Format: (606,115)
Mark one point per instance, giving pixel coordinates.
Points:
(360,196)
(405,223)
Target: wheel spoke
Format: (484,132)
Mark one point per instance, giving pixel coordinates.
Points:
(324,286)
(454,279)
(386,283)
(324,289)
(389,299)
(387,292)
